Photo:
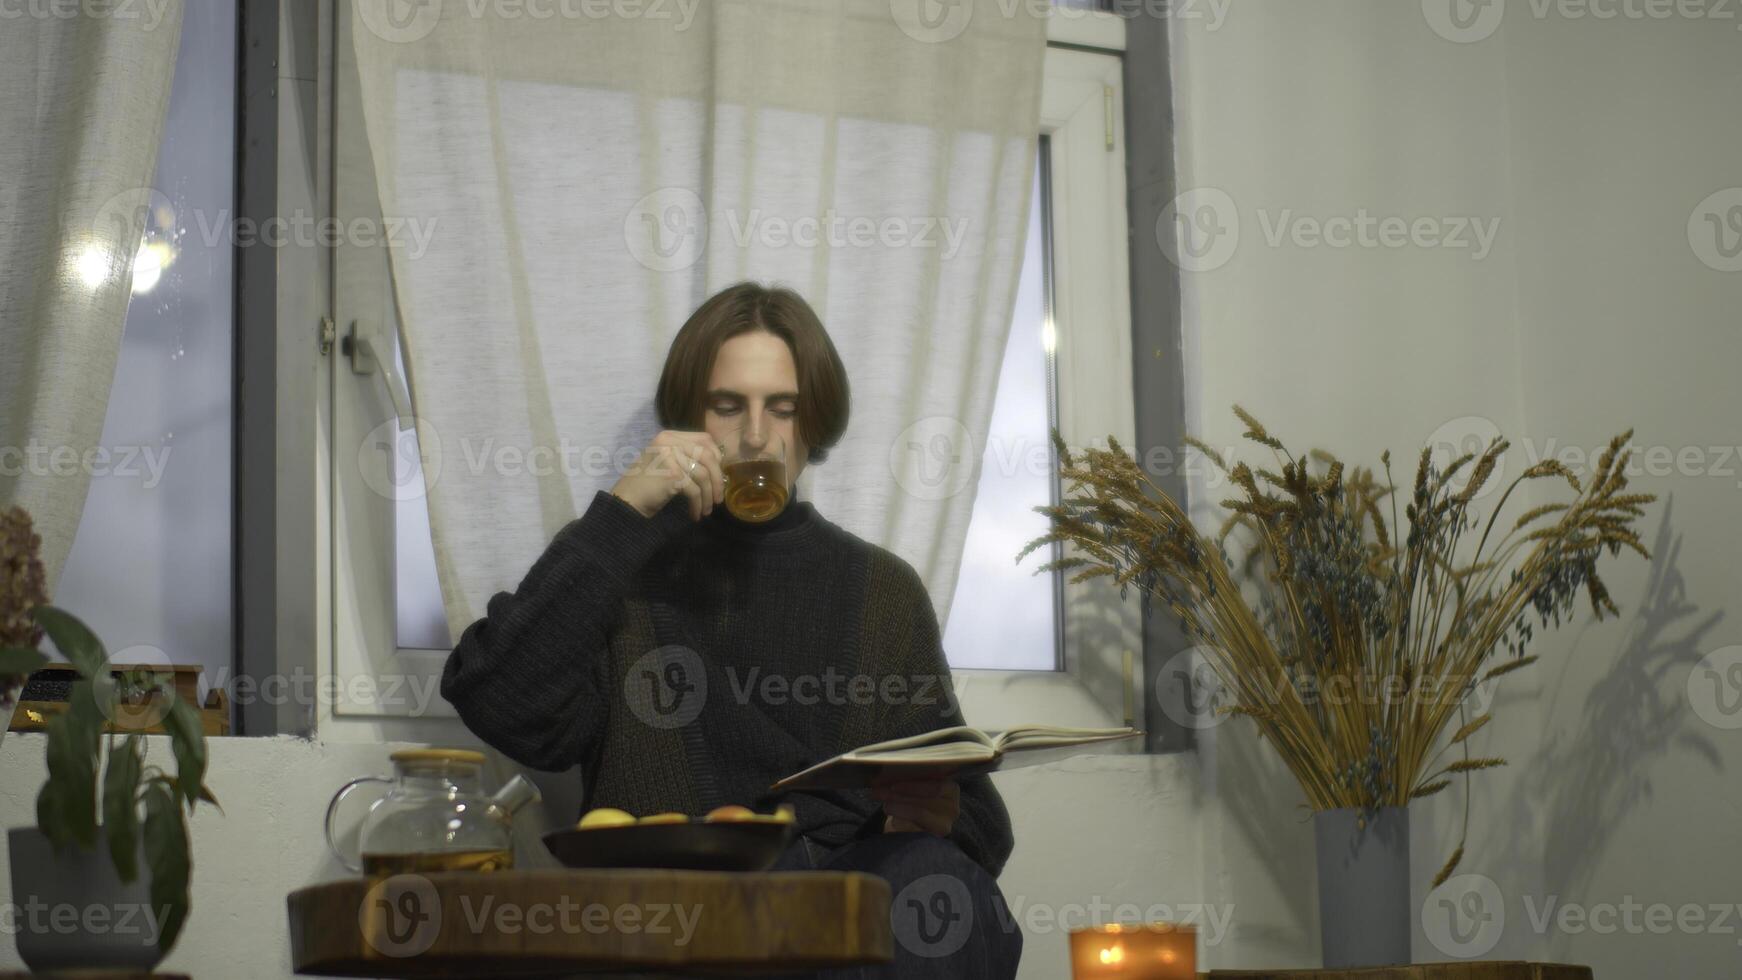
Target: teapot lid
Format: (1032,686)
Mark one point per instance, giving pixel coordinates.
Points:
(438,755)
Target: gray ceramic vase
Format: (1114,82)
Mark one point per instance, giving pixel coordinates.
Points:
(74,912)
(1364,910)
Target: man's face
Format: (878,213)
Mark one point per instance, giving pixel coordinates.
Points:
(753,398)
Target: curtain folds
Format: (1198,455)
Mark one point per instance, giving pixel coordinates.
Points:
(80,123)
(590,178)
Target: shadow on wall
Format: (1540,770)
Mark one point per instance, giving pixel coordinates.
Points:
(1098,616)
(1581,785)
(1270,871)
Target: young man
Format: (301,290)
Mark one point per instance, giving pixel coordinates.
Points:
(687,659)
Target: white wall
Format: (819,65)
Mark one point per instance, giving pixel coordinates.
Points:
(1623,129)
(1592,141)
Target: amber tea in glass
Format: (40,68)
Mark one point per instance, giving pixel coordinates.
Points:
(422,862)
(756,482)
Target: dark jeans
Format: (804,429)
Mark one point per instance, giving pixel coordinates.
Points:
(947,915)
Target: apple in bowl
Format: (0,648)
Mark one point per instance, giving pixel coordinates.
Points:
(727,838)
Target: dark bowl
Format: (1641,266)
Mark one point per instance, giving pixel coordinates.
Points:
(696,846)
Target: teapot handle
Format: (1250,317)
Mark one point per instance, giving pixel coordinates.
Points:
(333,809)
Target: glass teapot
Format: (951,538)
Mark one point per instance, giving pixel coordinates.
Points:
(435,817)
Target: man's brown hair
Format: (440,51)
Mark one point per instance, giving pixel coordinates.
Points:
(823,395)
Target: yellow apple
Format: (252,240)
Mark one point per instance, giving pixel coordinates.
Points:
(605,817)
(665,818)
(782,814)
(730,813)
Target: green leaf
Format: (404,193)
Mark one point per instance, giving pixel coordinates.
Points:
(188,741)
(166,854)
(205,792)
(73,639)
(49,810)
(120,805)
(20,661)
(69,812)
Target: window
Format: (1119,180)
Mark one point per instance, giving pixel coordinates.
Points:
(1070,336)
(1072,673)
(150,566)
(1017,471)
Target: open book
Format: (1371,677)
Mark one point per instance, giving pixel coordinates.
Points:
(959,751)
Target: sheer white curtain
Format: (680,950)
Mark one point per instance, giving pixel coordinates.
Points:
(82,104)
(590,179)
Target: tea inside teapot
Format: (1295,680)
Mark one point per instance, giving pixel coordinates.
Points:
(435,816)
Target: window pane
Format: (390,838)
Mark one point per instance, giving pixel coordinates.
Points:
(150,566)
(1003,615)
(420,621)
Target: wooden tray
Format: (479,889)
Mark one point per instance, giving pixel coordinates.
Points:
(460,923)
(1425,971)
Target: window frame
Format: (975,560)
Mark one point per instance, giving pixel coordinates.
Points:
(281,300)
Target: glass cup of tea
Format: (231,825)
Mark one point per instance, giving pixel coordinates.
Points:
(756,487)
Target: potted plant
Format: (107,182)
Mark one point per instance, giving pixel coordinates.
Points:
(1367,639)
(111,841)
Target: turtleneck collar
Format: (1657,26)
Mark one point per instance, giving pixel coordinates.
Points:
(794,522)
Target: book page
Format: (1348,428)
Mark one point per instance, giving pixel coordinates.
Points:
(944,752)
(957,752)
(1045,736)
(952,736)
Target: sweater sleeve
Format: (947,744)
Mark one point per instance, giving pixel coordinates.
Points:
(530,677)
(982,828)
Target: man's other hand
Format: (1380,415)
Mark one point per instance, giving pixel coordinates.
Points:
(925,804)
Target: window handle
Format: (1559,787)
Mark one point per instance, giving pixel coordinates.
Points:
(364,346)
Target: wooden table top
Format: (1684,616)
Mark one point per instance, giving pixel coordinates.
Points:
(558,921)
(1423,971)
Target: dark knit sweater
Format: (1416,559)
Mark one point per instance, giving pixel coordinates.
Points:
(688,664)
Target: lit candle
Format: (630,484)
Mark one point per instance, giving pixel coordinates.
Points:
(1151,951)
